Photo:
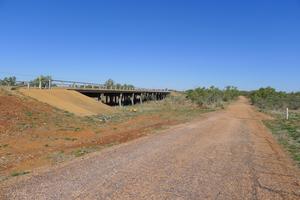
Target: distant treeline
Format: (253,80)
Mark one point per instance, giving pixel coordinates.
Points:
(270,99)
(212,96)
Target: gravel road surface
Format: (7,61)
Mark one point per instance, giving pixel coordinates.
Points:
(227,154)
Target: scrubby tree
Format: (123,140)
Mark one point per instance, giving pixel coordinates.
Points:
(129,86)
(118,86)
(109,83)
(8,81)
(44,81)
(270,99)
(212,96)
(230,93)
(112,84)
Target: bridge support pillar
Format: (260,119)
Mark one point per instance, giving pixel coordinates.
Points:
(154,96)
(132,99)
(113,99)
(120,99)
(102,97)
(141,98)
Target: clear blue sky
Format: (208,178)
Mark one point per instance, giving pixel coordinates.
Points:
(154,43)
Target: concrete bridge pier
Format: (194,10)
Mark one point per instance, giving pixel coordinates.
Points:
(150,97)
(141,98)
(102,97)
(114,99)
(154,96)
(159,96)
(120,99)
(132,99)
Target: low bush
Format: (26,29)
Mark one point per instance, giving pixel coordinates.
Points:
(8,81)
(270,99)
(212,96)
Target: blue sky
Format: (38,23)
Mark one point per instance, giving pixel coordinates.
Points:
(154,43)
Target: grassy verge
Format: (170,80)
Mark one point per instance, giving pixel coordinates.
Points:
(287,132)
(172,108)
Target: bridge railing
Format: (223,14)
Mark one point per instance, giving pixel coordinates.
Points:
(87,85)
(48,84)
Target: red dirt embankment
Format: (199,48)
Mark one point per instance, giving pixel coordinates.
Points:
(34,134)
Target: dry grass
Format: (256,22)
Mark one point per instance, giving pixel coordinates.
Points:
(287,132)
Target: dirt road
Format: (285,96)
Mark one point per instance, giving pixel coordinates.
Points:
(226,155)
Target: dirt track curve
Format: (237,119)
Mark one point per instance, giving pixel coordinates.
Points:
(225,155)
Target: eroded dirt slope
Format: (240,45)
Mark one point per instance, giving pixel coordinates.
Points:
(68,100)
(226,155)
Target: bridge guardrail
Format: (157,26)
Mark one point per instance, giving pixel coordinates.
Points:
(48,84)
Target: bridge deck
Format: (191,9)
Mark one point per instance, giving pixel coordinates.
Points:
(117,91)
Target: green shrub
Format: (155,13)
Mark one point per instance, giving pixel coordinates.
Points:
(8,81)
(44,81)
(269,99)
(212,96)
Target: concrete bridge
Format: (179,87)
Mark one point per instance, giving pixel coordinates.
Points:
(111,95)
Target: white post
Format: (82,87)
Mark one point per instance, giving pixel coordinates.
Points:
(287,113)
(49,84)
(28,85)
(40,82)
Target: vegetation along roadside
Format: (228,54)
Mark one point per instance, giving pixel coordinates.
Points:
(286,131)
